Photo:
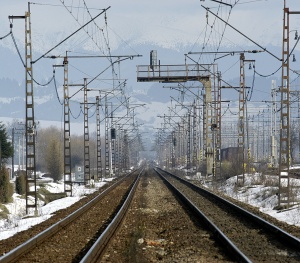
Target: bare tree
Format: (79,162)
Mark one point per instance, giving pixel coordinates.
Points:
(294,140)
(54,159)
(49,143)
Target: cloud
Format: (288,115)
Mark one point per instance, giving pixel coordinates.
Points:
(167,23)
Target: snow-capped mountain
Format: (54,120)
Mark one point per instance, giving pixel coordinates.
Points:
(182,29)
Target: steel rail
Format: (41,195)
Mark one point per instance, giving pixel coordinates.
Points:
(17,252)
(97,249)
(232,248)
(290,239)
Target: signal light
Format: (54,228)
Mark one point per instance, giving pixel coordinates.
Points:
(113,133)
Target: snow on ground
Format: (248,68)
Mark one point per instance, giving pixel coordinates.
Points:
(261,191)
(17,220)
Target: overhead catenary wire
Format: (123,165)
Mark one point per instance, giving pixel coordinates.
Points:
(104,37)
(23,63)
(248,98)
(76,117)
(225,27)
(109,50)
(106,40)
(93,79)
(212,27)
(78,7)
(103,11)
(215,75)
(93,114)
(273,73)
(85,30)
(254,42)
(56,90)
(7,35)
(205,42)
(17,49)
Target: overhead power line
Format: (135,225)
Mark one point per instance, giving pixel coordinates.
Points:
(207,9)
(77,7)
(103,11)
(220,2)
(5,35)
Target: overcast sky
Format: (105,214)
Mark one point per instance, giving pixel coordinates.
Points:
(161,22)
(180,25)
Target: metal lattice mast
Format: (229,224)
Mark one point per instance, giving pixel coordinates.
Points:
(31,193)
(121,150)
(214,123)
(218,129)
(177,146)
(117,153)
(274,160)
(184,142)
(284,157)
(173,145)
(195,130)
(209,152)
(99,161)
(67,137)
(107,172)
(126,151)
(204,124)
(241,123)
(180,144)
(284,195)
(113,155)
(113,147)
(188,157)
(87,175)
(201,134)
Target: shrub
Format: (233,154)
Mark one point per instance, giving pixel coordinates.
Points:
(6,188)
(21,182)
(3,212)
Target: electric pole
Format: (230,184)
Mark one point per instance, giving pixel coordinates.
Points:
(284,195)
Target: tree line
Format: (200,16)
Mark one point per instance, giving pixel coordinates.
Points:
(49,156)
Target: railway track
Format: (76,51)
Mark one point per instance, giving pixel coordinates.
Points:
(74,237)
(156,227)
(248,237)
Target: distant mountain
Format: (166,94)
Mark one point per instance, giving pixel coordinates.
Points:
(155,95)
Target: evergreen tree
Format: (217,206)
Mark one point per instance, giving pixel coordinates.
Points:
(6,151)
(6,146)
(6,188)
